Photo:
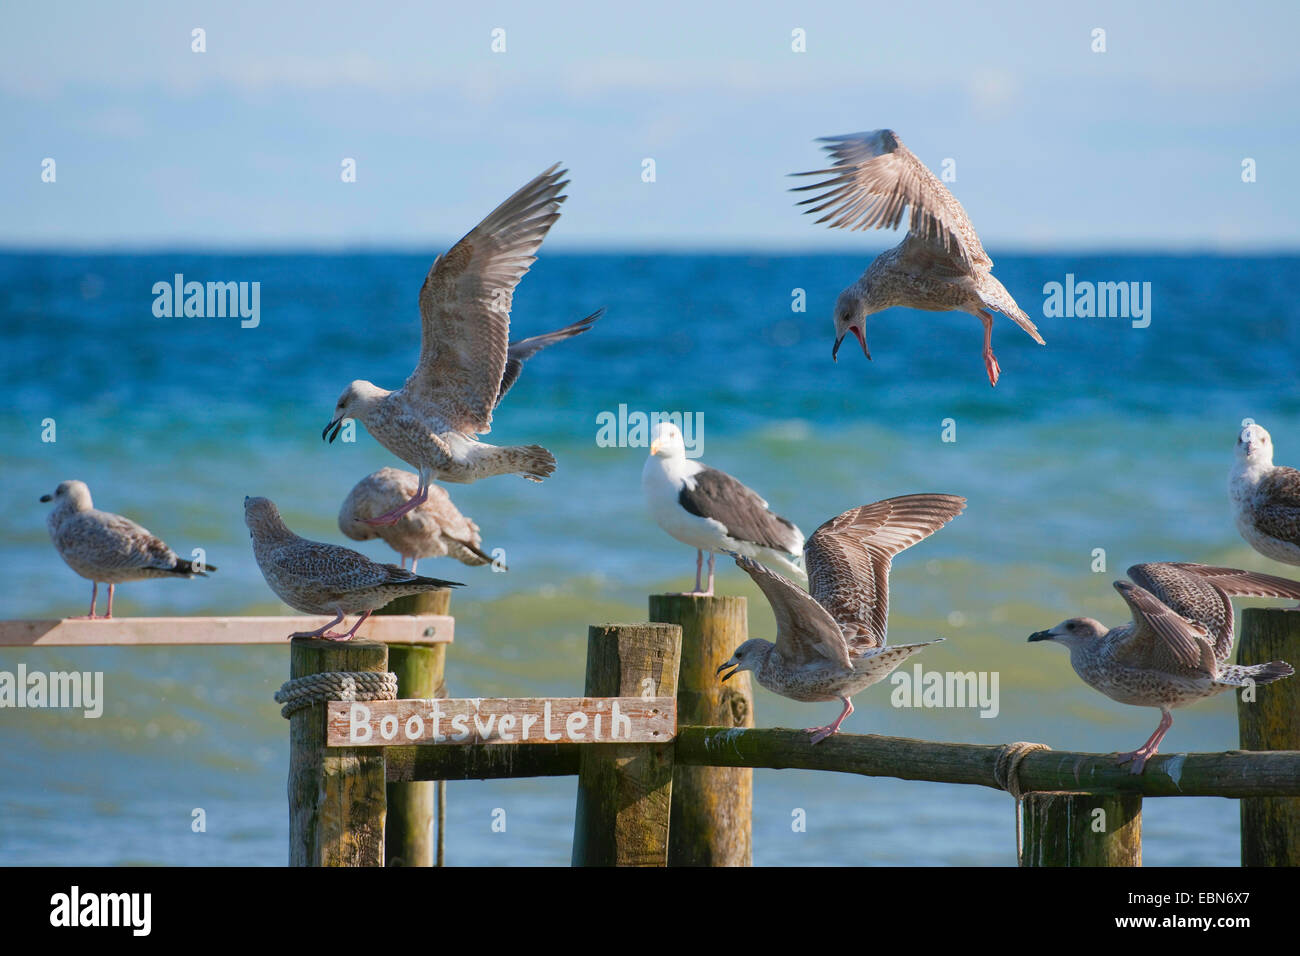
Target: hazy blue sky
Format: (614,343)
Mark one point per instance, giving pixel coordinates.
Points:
(1055,145)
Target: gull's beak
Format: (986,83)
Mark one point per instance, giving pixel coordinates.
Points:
(654,447)
(730,674)
(47,497)
(1040,636)
(337,425)
(835,349)
(862,340)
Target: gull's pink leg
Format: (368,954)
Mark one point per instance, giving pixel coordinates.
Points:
(990,362)
(392,517)
(1148,750)
(402,563)
(348,635)
(322,631)
(109,613)
(709,591)
(94,596)
(699,566)
(413,563)
(821,733)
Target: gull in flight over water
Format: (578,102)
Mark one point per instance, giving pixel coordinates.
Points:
(939,266)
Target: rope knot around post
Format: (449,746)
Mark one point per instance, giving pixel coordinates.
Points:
(1006,772)
(302,692)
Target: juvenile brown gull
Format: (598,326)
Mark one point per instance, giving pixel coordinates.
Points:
(434,529)
(102,546)
(939,266)
(1176,648)
(1265,498)
(318,578)
(832,643)
(432,420)
(711,511)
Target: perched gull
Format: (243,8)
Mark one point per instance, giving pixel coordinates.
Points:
(939,266)
(102,546)
(1265,498)
(432,420)
(831,643)
(1176,648)
(711,511)
(432,530)
(318,578)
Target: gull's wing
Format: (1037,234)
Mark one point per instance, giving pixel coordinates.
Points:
(804,631)
(521,351)
(329,567)
(465,305)
(710,493)
(875,177)
(1161,639)
(848,559)
(1277,512)
(114,542)
(1201,592)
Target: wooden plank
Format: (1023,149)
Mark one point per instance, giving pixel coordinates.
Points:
(1270,826)
(1235,773)
(501,720)
(481,762)
(1083,829)
(180,631)
(625,789)
(336,795)
(712,809)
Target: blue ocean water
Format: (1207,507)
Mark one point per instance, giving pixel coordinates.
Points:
(1111,437)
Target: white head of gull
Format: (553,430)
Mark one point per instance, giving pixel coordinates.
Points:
(831,644)
(1176,648)
(712,511)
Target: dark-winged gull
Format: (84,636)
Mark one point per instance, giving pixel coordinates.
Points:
(318,578)
(1176,648)
(109,548)
(939,266)
(432,420)
(711,511)
(1265,497)
(830,644)
(434,529)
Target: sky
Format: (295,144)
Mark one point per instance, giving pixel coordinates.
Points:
(1053,144)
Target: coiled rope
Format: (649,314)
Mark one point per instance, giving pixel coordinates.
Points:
(1006,771)
(302,692)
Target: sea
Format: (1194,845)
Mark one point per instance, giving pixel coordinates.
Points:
(1109,446)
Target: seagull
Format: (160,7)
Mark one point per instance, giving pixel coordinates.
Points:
(433,530)
(1176,648)
(939,266)
(1265,497)
(711,511)
(102,546)
(464,369)
(318,578)
(831,643)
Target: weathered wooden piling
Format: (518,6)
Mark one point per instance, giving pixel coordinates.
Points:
(412,807)
(625,790)
(336,795)
(1270,826)
(1082,829)
(712,807)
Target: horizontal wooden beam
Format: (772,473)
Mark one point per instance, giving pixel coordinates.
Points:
(141,631)
(502,721)
(1235,773)
(480,762)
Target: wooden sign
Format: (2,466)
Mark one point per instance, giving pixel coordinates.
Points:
(501,720)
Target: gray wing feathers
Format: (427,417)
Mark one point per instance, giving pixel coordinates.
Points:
(803,628)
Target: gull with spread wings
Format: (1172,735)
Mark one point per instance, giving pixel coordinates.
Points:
(1176,648)
(939,266)
(467,362)
(830,644)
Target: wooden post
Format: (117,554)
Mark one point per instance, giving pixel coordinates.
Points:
(1270,826)
(712,807)
(336,795)
(625,790)
(420,669)
(1082,829)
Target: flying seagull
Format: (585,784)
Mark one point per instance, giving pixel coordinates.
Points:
(830,644)
(109,548)
(1265,498)
(711,511)
(318,578)
(464,366)
(1176,648)
(432,530)
(939,266)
